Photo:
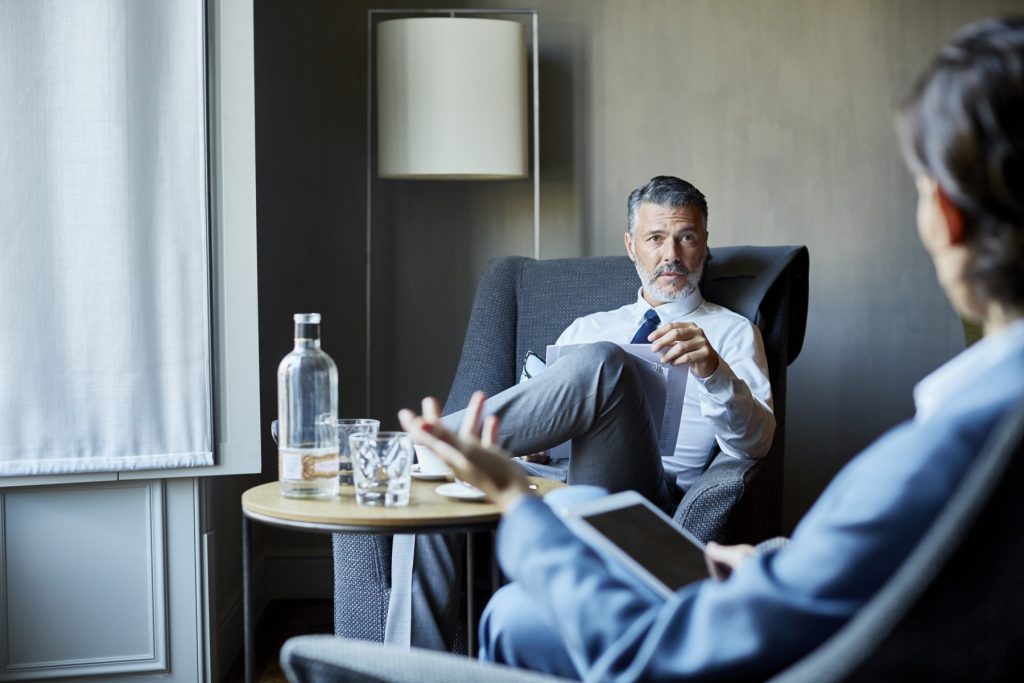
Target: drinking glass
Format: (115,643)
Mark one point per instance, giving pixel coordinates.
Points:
(346,428)
(382,468)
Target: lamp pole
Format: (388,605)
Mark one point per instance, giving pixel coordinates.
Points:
(370,129)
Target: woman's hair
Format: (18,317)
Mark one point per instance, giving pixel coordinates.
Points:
(963,125)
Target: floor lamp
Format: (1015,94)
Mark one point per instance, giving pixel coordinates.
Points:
(450,104)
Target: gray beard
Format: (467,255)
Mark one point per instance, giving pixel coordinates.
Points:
(659,293)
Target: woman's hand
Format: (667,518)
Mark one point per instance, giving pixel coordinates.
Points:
(723,560)
(473,453)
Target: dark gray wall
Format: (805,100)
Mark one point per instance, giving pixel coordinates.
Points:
(780,111)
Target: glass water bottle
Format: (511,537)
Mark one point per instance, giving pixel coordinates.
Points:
(307,410)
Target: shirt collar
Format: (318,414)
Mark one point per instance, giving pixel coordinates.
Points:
(938,388)
(673,310)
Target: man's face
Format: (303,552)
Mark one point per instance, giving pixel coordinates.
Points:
(669,247)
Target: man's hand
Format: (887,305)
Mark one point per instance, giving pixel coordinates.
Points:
(472,454)
(685,343)
(723,560)
(541,458)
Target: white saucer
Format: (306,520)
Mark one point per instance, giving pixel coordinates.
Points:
(428,476)
(460,491)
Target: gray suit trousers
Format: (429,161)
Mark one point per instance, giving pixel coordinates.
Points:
(592,397)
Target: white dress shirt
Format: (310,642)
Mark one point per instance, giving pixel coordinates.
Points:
(943,385)
(733,406)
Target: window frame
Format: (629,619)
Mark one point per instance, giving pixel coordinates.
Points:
(231,177)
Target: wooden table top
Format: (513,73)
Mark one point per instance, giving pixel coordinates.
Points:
(426,510)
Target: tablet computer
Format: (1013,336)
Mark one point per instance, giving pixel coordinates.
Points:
(630,529)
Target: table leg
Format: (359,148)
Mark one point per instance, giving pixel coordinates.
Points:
(493,561)
(470,607)
(248,626)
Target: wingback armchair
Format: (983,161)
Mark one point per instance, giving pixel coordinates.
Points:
(523,305)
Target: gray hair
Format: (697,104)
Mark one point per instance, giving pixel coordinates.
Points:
(664,190)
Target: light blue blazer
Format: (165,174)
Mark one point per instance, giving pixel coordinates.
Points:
(776,607)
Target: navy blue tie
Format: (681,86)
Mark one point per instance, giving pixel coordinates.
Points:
(650,325)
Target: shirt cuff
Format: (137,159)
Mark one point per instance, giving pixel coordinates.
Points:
(717,381)
(518,503)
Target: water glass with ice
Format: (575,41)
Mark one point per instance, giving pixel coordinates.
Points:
(382,468)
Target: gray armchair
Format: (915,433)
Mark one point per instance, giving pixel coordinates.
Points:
(523,305)
(951,611)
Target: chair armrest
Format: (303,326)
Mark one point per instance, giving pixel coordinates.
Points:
(326,659)
(705,508)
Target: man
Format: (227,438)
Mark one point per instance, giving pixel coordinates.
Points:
(567,613)
(592,397)
(728,402)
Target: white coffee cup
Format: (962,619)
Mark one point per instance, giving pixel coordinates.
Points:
(430,462)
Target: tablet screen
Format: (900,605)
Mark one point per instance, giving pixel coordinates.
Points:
(655,544)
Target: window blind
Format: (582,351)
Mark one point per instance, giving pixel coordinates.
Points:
(105,360)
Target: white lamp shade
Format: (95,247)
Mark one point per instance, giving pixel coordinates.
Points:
(451,98)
